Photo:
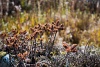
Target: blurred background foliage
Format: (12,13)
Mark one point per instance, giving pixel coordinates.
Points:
(80,18)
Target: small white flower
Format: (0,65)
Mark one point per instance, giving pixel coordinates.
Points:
(67,30)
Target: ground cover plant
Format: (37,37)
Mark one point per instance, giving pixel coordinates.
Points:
(51,33)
